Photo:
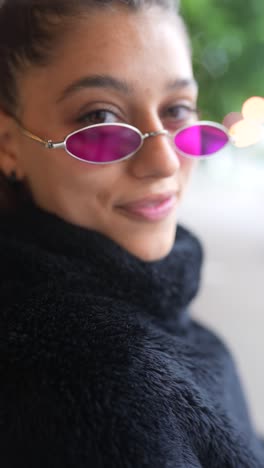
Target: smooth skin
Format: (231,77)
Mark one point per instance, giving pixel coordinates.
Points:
(148,53)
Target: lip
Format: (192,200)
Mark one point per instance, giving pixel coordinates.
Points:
(153,198)
(151,208)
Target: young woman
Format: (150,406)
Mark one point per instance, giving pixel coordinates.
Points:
(101,364)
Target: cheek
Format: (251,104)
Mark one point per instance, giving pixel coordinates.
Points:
(56,172)
(188,166)
(87,185)
(34,160)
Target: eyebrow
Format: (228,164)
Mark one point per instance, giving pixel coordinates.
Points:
(107,81)
(181,84)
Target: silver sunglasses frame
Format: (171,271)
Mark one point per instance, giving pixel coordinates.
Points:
(49,144)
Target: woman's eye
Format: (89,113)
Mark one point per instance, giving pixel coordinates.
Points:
(182,113)
(98,116)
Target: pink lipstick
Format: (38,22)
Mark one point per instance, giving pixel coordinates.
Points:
(151,210)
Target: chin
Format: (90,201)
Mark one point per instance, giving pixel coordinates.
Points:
(152,250)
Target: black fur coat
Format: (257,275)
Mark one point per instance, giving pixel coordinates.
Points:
(101,364)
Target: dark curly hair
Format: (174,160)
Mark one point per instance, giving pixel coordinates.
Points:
(28,30)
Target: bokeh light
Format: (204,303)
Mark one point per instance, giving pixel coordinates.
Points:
(253,109)
(245,133)
(232,118)
(247,128)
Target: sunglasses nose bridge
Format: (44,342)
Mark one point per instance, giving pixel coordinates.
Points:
(153,134)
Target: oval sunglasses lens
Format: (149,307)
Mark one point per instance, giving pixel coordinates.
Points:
(103,144)
(201,140)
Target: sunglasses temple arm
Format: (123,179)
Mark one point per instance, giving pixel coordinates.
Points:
(48,143)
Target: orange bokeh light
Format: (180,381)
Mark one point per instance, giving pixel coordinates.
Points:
(253,109)
(246,128)
(245,133)
(232,118)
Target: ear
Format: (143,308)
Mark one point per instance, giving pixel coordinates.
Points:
(9,146)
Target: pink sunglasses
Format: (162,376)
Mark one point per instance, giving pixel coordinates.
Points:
(107,143)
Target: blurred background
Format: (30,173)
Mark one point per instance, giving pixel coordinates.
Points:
(228,52)
(224,204)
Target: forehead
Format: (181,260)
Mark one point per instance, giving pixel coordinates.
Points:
(145,48)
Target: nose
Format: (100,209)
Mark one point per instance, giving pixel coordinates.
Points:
(157,158)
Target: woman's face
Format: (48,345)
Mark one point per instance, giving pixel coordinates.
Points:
(149,83)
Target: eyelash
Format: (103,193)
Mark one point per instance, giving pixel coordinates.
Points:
(85,117)
(191,111)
